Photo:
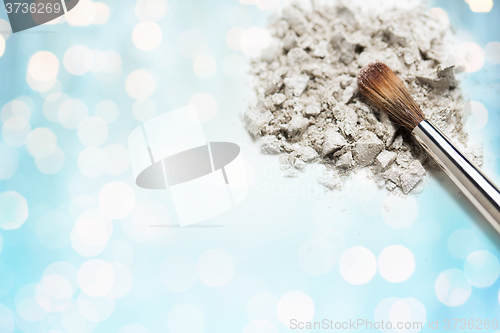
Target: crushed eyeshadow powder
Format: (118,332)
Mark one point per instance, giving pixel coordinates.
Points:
(307,107)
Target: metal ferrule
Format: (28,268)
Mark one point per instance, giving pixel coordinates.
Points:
(468,178)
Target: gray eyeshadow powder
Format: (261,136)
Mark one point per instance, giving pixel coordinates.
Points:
(307,107)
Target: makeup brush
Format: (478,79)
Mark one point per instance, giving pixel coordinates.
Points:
(386,91)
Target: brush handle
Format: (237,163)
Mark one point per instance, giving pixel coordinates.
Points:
(468,178)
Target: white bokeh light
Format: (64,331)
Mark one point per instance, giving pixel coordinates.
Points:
(295,305)
(78,59)
(333,236)
(13,210)
(92,229)
(406,311)
(453,287)
(478,117)
(263,305)
(206,106)
(95,309)
(113,61)
(83,14)
(186,318)
(233,38)
(268,4)
(42,142)
(134,328)
(254,40)
(215,267)
(52,104)
(54,293)
(123,280)
(147,36)
(102,13)
(2,45)
(190,42)
(140,84)
(15,108)
(43,66)
(96,278)
(178,273)
(107,110)
(93,131)
(151,10)
(394,311)
(204,66)
(440,15)
(55,88)
(15,131)
(40,86)
(117,159)
(260,326)
(396,263)
(53,163)
(120,251)
(10,161)
(5,29)
(116,200)
(146,219)
(482,268)
(480,6)
(357,265)
(470,56)
(463,242)
(92,161)
(91,233)
(64,269)
(317,256)
(74,322)
(72,112)
(144,109)
(399,212)
(492,51)
(27,306)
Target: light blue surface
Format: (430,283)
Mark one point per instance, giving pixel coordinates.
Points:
(265,235)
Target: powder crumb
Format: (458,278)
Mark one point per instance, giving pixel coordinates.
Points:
(367,147)
(278,98)
(333,141)
(475,153)
(295,85)
(385,159)
(307,107)
(313,110)
(344,161)
(306,153)
(411,176)
(270,144)
(297,125)
(330,180)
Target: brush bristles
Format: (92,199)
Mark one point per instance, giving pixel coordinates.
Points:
(386,91)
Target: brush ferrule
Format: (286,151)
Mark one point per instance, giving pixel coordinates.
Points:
(468,178)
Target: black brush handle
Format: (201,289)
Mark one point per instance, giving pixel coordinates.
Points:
(468,178)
